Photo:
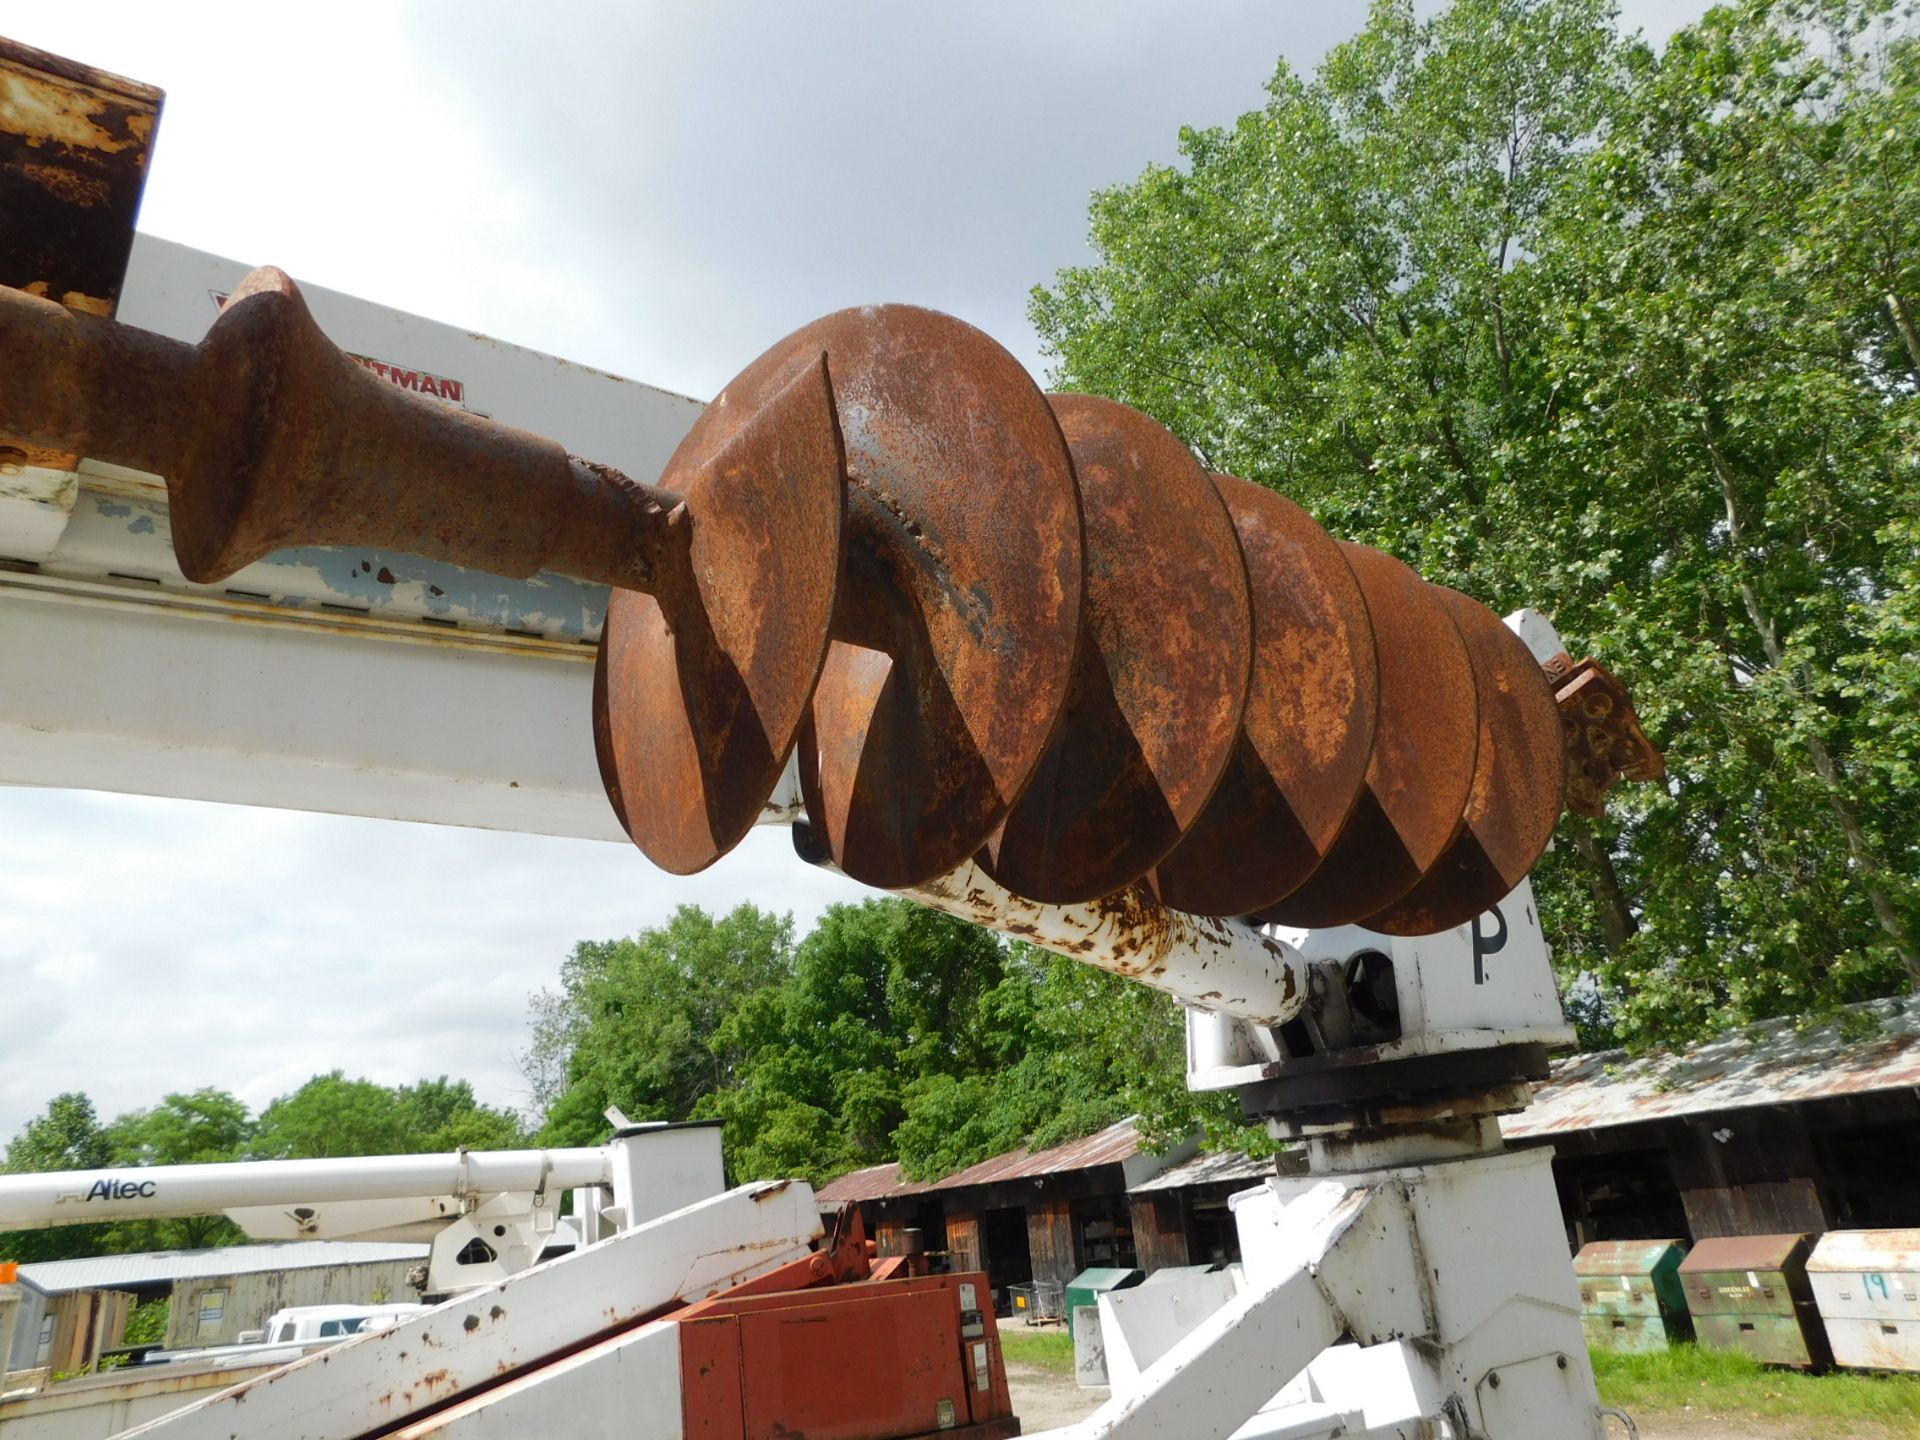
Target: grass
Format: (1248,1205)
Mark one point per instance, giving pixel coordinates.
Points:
(1683,1379)
(1050,1350)
(1724,1383)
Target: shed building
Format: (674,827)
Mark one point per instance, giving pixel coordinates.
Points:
(1763,1131)
(73,1310)
(1026,1216)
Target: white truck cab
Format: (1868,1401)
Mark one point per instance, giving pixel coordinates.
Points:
(305,1324)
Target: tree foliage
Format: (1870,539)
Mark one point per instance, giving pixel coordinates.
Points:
(1627,336)
(889,1032)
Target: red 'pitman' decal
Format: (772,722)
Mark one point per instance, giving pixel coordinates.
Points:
(421,382)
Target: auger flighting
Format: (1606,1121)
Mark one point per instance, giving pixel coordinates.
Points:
(996,627)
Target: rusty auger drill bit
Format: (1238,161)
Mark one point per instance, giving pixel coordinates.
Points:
(1160,680)
(269,436)
(956,624)
(988,624)
(1301,755)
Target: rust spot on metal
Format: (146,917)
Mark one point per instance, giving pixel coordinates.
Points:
(1160,679)
(1422,766)
(74,145)
(1605,742)
(1303,748)
(958,619)
(1518,782)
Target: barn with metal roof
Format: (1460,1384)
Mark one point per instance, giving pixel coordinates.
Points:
(1775,1128)
(1028,1216)
(72,1311)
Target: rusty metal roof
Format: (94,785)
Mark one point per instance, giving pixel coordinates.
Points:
(1770,1063)
(167,1267)
(1114,1145)
(1218,1167)
(876,1182)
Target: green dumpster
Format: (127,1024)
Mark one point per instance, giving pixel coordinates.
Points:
(1086,1288)
(1751,1293)
(1630,1294)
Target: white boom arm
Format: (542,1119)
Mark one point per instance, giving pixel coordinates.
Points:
(166,1191)
(487,1213)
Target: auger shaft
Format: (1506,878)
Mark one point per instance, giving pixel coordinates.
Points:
(267,435)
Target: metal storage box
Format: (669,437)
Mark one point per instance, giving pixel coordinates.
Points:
(1867,1286)
(1751,1293)
(1086,1288)
(1630,1294)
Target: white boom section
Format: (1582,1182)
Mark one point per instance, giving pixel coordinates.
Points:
(507,1200)
(372,1383)
(169,1191)
(338,679)
(1451,1275)
(1226,966)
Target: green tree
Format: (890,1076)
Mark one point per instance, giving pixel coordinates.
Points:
(1626,336)
(443,1114)
(68,1136)
(881,994)
(890,1032)
(332,1116)
(205,1127)
(639,1020)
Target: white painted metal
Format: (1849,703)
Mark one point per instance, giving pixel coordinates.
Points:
(1149,1319)
(1222,964)
(132,1193)
(660,1168)
(486,1214)
(1451,1275)
(624,1388)
(375,1381)
(1221,1371)
(1481,985)
(1867,1286)
(117,687)
(1536,632)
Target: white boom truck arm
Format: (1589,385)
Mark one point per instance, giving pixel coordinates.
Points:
(486,1213)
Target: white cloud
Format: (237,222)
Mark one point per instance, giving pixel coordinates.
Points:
(154,945)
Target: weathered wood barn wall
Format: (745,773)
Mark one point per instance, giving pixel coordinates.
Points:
(1770,1130)
(214,1294)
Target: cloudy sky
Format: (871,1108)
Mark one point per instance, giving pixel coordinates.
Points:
(659,190)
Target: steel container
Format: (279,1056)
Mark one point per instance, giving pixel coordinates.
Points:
(1751,1293)
(1867,1286)
(1631,1299)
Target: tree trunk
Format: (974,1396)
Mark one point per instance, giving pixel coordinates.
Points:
(1904,320)
(1617,924)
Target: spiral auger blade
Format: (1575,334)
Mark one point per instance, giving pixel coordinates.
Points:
(1519,783)
(1420,771)
(1304,745)
(989,624)
(955,628)
(1160,679)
